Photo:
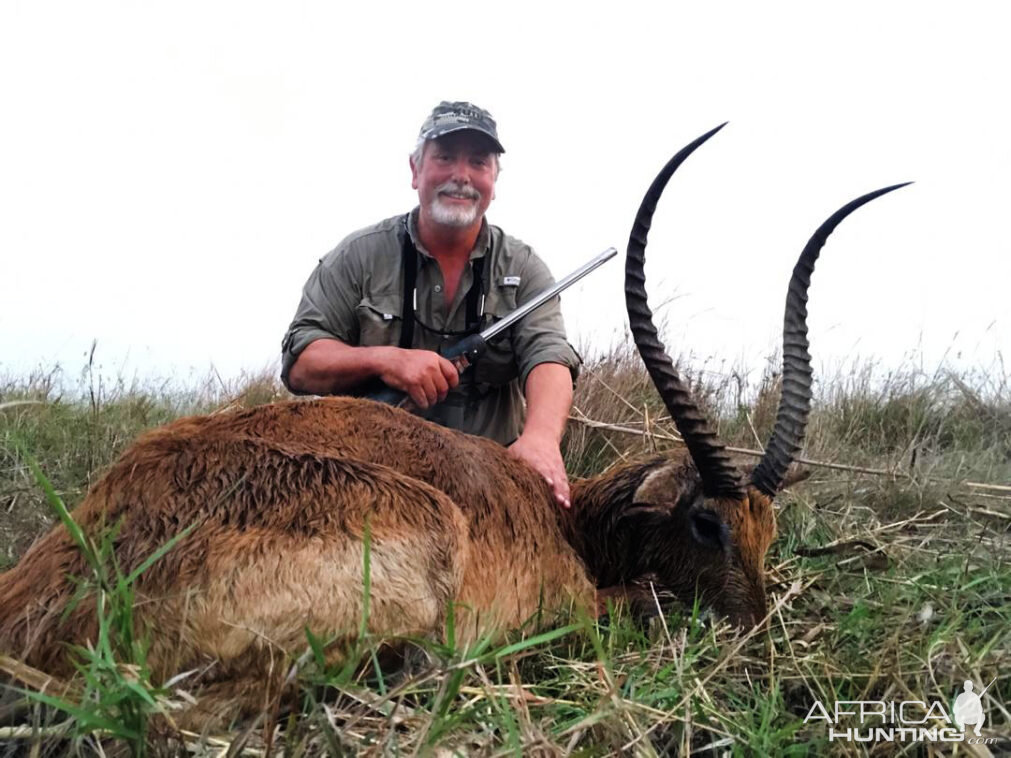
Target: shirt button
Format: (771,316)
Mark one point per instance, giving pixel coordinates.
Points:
(438,288)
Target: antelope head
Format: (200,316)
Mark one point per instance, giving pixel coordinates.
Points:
(704,528)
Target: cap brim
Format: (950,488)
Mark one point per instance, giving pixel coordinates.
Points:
(442,132)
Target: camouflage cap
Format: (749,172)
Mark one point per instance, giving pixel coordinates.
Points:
(449,117)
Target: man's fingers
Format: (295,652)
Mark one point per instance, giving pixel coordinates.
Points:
(562,488)
(424,375)
(417,394)
(422,391)
(563,483)
(441,386)
(431,390)
(546,459)
(560,484)
(449,372)
(563,498)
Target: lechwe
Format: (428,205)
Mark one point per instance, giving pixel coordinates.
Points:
(279,498)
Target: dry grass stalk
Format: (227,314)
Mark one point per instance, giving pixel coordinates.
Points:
(652,434)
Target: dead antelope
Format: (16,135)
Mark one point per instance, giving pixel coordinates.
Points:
(280,497)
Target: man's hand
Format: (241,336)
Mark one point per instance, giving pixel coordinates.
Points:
(542,452)
(549,395)
(425,376)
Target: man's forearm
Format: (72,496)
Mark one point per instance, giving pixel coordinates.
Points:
(329,366)
(548,393)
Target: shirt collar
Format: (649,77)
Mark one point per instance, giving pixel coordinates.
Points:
(481,246)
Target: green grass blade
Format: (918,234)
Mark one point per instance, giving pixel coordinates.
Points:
(537,640)
(158,554)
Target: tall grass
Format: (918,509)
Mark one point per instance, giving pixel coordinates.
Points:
(890,587)
(117,696)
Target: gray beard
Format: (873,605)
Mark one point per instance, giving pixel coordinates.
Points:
(452,216)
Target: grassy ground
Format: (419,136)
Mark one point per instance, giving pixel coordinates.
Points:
(885,587)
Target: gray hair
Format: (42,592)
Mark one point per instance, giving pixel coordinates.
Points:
(419,152)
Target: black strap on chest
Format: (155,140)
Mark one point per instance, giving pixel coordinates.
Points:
(409,265)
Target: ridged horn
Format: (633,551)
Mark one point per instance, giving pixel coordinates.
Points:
(719,476)
(795,401)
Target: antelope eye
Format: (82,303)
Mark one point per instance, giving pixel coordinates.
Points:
(709,530)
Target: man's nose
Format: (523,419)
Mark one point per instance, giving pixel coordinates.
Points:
(461,171)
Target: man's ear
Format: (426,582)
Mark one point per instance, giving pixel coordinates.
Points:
(414,173)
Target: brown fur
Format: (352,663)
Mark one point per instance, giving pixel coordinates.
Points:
(280,496)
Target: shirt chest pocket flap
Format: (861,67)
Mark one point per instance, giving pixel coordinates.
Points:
(379,320)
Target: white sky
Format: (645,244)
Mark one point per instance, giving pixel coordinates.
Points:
(170,173)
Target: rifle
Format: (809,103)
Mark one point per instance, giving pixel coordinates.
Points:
(463,353)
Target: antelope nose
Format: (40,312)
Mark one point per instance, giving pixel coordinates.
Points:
(759,608)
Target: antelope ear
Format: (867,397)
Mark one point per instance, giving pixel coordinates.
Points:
(663,488)
(794,475)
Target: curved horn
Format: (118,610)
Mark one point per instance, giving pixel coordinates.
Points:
(719,475)
(795,402)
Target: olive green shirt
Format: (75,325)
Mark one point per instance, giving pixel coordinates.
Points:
(356,295)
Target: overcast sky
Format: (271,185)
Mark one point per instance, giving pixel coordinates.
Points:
(170,173)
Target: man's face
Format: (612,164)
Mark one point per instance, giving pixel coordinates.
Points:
(456,178)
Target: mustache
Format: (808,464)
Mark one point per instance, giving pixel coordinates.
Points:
(459,189)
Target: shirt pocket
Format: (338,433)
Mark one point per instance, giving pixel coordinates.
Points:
(379,320)
(498,366)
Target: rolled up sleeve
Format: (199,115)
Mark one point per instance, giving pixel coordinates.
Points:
(327,308)
(540,336)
